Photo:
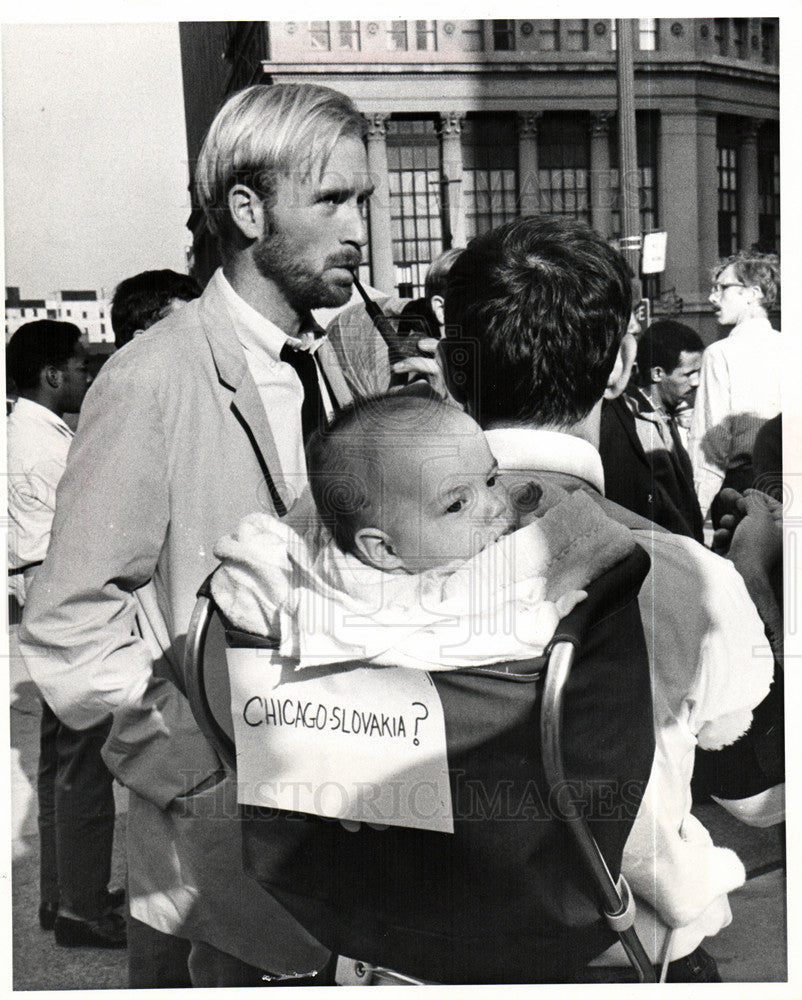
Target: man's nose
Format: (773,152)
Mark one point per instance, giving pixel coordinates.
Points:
(694,380)
(355,228)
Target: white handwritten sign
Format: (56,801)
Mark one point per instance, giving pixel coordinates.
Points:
(365,744)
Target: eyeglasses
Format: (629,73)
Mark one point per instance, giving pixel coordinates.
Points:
(718,289)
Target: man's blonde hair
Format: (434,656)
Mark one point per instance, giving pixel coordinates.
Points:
(264,132)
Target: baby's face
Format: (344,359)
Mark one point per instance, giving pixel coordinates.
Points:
(444,500)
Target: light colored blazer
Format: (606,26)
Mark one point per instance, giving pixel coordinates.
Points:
(172,451)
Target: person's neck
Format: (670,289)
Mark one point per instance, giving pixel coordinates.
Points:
(261,293)
(756,312)
(588,428)
(49,400)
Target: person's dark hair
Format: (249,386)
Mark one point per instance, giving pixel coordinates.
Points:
(662,344)
(36,345)
(141,300)
(346,461)
(437,275)
(535,312)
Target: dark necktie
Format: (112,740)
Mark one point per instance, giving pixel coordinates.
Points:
(313,414)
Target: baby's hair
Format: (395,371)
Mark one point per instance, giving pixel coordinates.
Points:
(347,461)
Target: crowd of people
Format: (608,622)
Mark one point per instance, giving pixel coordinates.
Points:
(531,438)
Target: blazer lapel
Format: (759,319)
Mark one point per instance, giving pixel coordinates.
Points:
(232,371)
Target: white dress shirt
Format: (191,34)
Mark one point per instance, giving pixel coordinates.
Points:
(739,390)
(38,443)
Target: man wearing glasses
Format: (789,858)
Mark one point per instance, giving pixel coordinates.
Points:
(739,384)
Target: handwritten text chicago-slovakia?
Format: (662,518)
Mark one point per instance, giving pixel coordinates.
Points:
(259,711)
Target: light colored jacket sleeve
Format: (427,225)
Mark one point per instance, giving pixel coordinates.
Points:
(710,441)
(78,634)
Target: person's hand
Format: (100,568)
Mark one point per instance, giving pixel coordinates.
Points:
(752,519)
(754,526)
(426,367)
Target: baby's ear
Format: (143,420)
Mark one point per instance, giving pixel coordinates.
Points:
(375,548)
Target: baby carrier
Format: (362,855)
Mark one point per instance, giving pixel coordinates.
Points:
(548,760)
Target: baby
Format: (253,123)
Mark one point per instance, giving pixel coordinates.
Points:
(418,562)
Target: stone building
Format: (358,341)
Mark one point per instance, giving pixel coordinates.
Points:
(472,123)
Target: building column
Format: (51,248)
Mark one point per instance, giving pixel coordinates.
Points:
(601,195)
(688,198)
(748,199)
(381,243)
(528,169)
(451,139)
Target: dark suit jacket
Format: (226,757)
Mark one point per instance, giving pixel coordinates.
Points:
(654,486)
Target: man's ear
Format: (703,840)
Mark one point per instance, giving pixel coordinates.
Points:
(376,549)
(247,211)
(52,376)
(622,368)
(436,302)
(657,374)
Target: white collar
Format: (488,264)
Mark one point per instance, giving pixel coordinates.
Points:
(525,449)
(27,409)
(758,326)
(254,331)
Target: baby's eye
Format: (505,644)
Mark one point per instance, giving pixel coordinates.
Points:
(455,507)
(491,482)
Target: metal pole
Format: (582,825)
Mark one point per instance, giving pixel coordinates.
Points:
(628,151)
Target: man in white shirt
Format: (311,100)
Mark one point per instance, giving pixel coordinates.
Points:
(196,423)
(739,383)
(47,362)
(536,320)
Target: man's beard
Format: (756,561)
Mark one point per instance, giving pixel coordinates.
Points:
(276,259)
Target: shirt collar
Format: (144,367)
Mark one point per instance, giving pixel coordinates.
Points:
(29,410)
(755,327)
(254,331)
(524,449)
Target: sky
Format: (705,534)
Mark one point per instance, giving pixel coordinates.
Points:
(94,154)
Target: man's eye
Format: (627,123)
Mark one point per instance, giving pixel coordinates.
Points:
(455,507)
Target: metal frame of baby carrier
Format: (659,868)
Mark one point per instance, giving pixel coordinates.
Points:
(322,873)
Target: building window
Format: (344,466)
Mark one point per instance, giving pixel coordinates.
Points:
(320,35)
(575,35)
(348,35)
(84,315)
(102,327)
(768,189)
(647,34)
(504,36)
(22,314)
(564,162)
(397,36)
(727,200)
(473,36)
(721,33)
(741,37)
(489,179)
(69,313)
(645,187)
(426,36)
(51,314)
(549,36)
(413,161)
(768,41)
